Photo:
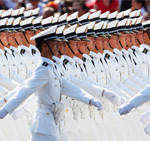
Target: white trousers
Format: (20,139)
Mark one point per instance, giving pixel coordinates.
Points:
(43,137)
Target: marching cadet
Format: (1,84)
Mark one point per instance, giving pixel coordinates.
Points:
(45,128)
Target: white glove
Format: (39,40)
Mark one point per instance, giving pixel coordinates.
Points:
(145,117)
(3,113)
(125,108)
(147,129)
(2,102)
(96,103)
(113,97)
(18,113)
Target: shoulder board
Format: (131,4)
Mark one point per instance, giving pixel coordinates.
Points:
(65,61)
(45,64)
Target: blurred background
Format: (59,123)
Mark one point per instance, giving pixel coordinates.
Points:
(52,7)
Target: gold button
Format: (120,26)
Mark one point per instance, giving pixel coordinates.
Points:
(67,110)
(48,114)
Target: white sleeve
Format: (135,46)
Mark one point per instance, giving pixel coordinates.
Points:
(26,89)
(75,92)
(7,83)
(92,89)
(141,98)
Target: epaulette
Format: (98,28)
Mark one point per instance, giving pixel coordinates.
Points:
(107,56)
(45,64)
(22,51)
(33,51)
(84,59)
(65,61)
(145,51)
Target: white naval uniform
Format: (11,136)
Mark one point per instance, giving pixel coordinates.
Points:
(12,66)
(36,54)
(47,81)
(28,59)
(19,62)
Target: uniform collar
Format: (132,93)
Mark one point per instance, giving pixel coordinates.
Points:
(130,50)
(100,55)
(8,50)
(110,53)
(15,49)
(88,58)
(24,47)
(1,51)
(78,60)
(58,60)
(117,52)
(144,46)
(94,55)
(125,52)
(33,47)
(47,60)
(136,48)
(68,58)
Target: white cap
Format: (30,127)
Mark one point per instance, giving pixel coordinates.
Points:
(113,15)
(55,19)
(17,21)
(21,10)
(105,25)
(1,11)
(3,21)
(15,12)
(38,20)
(104,15)
(81,29)
(99,25)
(95,15)
(48,31)
(60,29)
(71,29)
(63,17)
(47,20)
(138,13)
(28,13)
(112,24)
(134,21)
(127,12)
(72,16)
(35,12)
(7,13)
(146,23)
(10,21)
(91,25)
(133,14)
(27,21)
(84,17)
(139,20)
(120,15)
(122,22)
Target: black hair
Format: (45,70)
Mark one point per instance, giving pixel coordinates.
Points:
(142,2)
(84,7)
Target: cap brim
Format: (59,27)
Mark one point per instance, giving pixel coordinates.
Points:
(21,30)
(117,33)
(33,29)
(85,39)
(108,35)
(76,39)
(57,40)
(64,40)
(135,31)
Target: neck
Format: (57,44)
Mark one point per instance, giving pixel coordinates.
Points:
(79,55)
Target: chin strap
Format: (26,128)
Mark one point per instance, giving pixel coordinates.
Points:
(138,41)
(80,51)
(49,48)
(70,48)
(111,46)
(96,47)
(2,43)
(120,44)
(25,37)
(16,42)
